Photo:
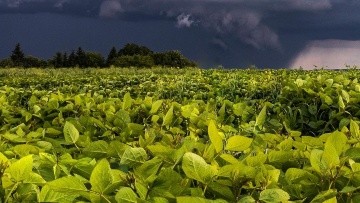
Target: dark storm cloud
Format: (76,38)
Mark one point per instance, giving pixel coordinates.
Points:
(242,18)
(270,31)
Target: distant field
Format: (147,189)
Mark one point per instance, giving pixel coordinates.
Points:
(179,135)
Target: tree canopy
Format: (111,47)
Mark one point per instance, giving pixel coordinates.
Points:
(131,55)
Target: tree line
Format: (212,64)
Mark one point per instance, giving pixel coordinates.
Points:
(131,55)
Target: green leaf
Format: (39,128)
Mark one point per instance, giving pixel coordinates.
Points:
(49,195)
(330,157)
(21,169)
(70,132)
(315,160)
(295,175)
(354,129)
(345,96)
(195,167)
(341,103)
(324,195)
(168,184)
(260,119)
(133,157)
(247,199)
(156,106)
(215,137)
(149,169)
(274,195)
(127,101)
(101,176)
(68,185)
(338,140)
(97,149)
(126,195)
(238,143)
(168,118)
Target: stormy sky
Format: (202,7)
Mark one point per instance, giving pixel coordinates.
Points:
(231,33)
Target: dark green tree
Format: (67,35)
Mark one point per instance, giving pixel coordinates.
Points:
(31,61)
(6,63)
(134,49)
(81,58)
(134,61)
(172,59)
(72,59)
(112,55)
(17,56)
(94,60)
(65,60)
(57,60)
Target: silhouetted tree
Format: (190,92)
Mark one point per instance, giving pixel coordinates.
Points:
(112,55)
(94,60)
(17,55)
(57,60)
(134,49)
(65,60)
(31,61)
(172,59)
(72,59)
(6,63)
(81,58)
(134,61)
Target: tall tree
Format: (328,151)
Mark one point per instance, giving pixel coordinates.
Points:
(17,55)
(112,55)
(65,60)
(94,60)
(81,58)
(72,59)
(57,61)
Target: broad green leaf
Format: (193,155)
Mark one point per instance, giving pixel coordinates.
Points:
(71,134)
(168,184)
(127,101)
(221,190)
(315,160)
(324,195)
(25,149)
(21,169)
(68,185)
(354,129)
(345,96)
(274,195)
(247,199)
(97,149)
(295,175)
(141,189)
(49,195)
(195,167)
(133,157)
(149,169)
(101,176)
(260,119)
(156,106)
(215,137)
(330,157)
(169,116)
(238,143)
(341,103)
(126,195)
(35,179)
(338,140)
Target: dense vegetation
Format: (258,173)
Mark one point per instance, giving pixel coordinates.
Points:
(179,135)
(131,55)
